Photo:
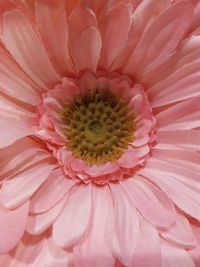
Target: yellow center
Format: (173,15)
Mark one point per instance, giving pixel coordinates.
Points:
(99,127)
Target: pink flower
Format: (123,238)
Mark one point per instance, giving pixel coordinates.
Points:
(100,133)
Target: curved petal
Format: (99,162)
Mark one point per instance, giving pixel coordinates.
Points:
(148,249)
(12,130)
(126,225)
(51,192)
(180,234)
(72,226)
(151,202)
(94,250)
(25,46)
(17,190)
(52,23)
(12,226)
(87,50)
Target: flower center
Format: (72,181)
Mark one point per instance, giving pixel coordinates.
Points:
(99,126)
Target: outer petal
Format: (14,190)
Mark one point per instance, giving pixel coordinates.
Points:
(126,223)
(181,116)
(173,256)
(160,40)
(51,192)
(23,43)
(72,226)
(15,83)
(87,50)
(53,26)
(114,30)
(12,130)
(151,202)
(94,249)
(12,226)
(148,250)
(52,256)
(19,189)
(181,233)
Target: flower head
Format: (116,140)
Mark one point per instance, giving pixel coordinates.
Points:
(99,140)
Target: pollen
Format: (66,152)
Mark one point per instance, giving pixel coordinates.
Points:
(99,126)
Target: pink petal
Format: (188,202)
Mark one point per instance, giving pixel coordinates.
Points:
(151,202)
(187,198)
(14,156)
(79,203)
(51,192)
(52,255)
(160,39)
(114,29)
(52,23)
(180,234)
(80,19)
(126,223)
(182,116)
(17,190)
(94,250)
(87,50)
(14,82)
(39,223)
(25,46)
(12,130)
(148,250)
(174,256)
(181,139)
(12,226)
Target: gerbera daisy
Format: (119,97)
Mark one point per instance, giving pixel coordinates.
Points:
(100,133)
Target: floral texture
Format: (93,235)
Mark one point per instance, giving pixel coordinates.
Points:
(100,133)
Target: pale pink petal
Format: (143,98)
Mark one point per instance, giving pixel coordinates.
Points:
(160,40)
(185,159)
(182,116)
(173,256)
(75,217)
(186,198)
(51,192)
(181,139)
(94,250)
(23,43)
(151,202)
(14,156)
(114,29)
(12,130)
(148,250)
(12,226)
(52,256)
(180,234)
(14,82)
(17,190)
(39,223)
(126,226)
(87,50)
(53,26)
